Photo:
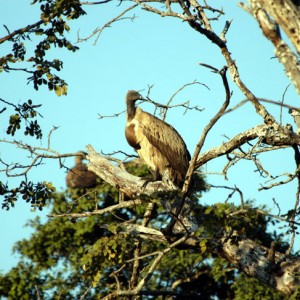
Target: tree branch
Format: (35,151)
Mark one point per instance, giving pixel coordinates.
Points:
(286,15)
(272,135)
(128,184)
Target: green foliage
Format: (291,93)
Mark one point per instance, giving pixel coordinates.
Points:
(50,30)
(244,220)
(34,193)
(246,288)
(67,256)
(45,34)
(25,112)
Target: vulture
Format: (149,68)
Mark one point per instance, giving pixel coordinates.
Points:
(79,176)
(156,142)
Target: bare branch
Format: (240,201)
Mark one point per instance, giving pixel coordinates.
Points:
(128,184)
(98,31)
(194,160)
(280,103)
(234,189)
(168,13)
(35,154)
(126,204)
(286,15)
(273,135)
(111,116)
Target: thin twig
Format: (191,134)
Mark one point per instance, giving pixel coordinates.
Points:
(98,31)
(125,204)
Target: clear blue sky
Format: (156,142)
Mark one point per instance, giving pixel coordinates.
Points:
(162,52)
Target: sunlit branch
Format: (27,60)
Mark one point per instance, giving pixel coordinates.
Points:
(208,127)
(37,157)
(279,103)
(278,136)
(163,13)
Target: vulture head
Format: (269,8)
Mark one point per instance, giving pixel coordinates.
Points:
(133,96)
(79,176)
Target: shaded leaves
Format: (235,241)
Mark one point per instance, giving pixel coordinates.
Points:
(51,30)
(24,112)
(34,193)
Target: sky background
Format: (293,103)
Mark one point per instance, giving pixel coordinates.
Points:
(149,51)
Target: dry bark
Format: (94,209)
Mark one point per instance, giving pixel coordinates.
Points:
(275,269)
(273,16)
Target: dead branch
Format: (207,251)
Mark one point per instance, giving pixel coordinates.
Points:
(36,154)
(286,15)
(98,31)
(193,162)
(128,184)
(274,135)
(279,103)
(252,258)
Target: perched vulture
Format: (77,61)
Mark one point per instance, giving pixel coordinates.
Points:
(156,142)
(79,176)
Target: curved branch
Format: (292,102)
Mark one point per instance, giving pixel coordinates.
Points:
(272,135)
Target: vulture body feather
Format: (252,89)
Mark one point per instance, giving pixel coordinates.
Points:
(79,176)
(156,142)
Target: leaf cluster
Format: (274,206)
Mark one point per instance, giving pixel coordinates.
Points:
(243,220)
(34,193)
(51,30)
(24,112)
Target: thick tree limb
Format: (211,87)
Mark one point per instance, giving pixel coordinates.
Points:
(128,184)
(279,272)
(274,135)
(272,268)
(286,15)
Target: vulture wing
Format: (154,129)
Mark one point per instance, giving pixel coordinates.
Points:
(166,139)
(80,177)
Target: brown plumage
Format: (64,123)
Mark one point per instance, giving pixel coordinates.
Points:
(156,142)
(79,176)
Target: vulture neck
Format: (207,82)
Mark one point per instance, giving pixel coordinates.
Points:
(131,109)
